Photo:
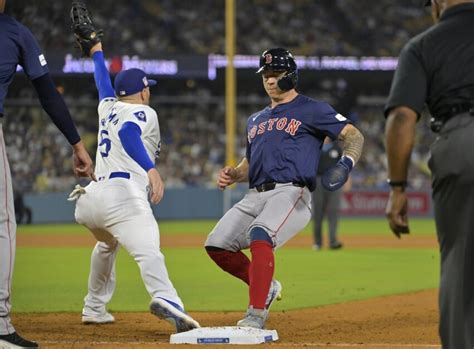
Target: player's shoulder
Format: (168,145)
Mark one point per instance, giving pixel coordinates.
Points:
(313,104)
(10,25)
(140,107)
(256,114)
(106,104)
(141,112)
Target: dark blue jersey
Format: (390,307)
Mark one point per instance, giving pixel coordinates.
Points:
(284,143)
(18,47)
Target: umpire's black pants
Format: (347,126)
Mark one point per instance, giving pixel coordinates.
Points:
(452,166)
(325,203)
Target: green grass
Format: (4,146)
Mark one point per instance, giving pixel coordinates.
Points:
(55,279)
(376,226)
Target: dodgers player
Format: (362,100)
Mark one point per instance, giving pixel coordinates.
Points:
(116,208)
(19,47)
(284,141)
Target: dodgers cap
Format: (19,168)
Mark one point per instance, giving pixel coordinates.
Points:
(131,81)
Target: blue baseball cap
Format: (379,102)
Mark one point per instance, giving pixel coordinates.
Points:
(131,81)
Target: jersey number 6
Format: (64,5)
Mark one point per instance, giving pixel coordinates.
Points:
(105,143)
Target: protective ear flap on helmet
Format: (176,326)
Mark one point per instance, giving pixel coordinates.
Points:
(289,81)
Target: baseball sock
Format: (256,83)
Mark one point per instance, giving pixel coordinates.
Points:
(235,263)
(260,272)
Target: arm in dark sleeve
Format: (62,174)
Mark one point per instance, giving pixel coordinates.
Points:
(129,135)
(102,77)
(54,105)
(410,83)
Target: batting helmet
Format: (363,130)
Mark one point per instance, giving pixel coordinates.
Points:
(280,59)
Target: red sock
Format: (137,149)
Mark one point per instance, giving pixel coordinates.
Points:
(235,263)
(261,272)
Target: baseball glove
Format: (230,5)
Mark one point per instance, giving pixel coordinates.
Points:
(84,31)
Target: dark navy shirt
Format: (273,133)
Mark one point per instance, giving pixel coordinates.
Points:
(18,47)
(436,67)
(284,143)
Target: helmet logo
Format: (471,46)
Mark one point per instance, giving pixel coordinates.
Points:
(268,58)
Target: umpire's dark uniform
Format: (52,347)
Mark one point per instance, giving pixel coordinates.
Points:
(324,201)
(437,67)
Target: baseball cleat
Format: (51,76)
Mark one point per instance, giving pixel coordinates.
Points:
(174,314)
(254,318)
(106,318)
(14,341)
(273,294)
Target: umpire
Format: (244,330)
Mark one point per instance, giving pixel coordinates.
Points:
(326,202)
(437,68)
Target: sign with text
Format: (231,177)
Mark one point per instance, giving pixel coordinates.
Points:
(366,203)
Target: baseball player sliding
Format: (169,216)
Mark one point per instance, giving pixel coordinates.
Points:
(116,208)
(284,141)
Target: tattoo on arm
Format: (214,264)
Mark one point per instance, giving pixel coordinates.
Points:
(353,143)
(242,171)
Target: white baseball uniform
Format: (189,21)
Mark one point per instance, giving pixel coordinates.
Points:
(116,208)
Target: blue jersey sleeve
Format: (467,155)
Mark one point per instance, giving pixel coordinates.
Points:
(129,135)
(102,77)
(328,121)
(31,58)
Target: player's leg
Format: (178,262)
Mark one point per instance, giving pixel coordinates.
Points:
(333,200)
(230,236)
(286,212)
(7,241)
(318,214)
(139,235)
(8,336)
(91,212)
(101,284)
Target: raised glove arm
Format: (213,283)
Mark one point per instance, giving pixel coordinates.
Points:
(86,34)
(336,176)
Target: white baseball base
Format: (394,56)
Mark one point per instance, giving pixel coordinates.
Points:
(224,335)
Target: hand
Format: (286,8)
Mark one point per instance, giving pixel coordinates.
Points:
(396,212)
(83,166)
(97,47)
(227,176)
(335,177)
(156,186)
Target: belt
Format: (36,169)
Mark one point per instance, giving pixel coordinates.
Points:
(271,185)
(438,121)
(119,175)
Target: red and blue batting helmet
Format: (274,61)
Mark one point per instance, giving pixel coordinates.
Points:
(280,59)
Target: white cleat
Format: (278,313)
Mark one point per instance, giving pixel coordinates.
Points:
(106,318)
(174,314)
(274,294)
(254,318)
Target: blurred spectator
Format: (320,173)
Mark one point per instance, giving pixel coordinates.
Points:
(193,141)
(151,28)
(21,210)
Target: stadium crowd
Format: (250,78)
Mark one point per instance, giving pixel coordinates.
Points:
(193,133)
(193,145)
(159,28)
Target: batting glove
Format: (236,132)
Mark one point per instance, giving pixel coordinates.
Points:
(335,177)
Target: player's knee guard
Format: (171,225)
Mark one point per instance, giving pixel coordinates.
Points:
(258,233)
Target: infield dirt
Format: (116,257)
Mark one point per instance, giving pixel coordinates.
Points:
(398,322)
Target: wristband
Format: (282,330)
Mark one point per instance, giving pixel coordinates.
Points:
(402,184)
